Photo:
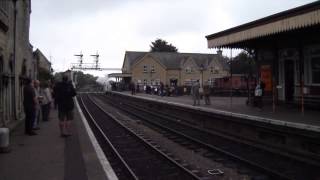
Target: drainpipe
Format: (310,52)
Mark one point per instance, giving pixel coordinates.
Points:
(14,56)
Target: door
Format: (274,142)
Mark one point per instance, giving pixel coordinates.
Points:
(173,82)
(289,79)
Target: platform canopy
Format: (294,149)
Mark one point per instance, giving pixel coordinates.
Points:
(297,19)
(119,75)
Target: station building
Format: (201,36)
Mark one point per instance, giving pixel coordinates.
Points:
(16,59)
(41,62)
(286,47)
(171,68)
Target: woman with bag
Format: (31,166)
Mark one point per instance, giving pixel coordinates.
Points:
(258,93)
(46,101)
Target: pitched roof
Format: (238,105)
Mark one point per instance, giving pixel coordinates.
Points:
(134,56)
(41,56)
(173,60)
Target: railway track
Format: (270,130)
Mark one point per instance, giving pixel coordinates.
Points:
(130,156)
(274,165)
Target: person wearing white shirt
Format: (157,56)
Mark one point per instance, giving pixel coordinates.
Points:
(46,101)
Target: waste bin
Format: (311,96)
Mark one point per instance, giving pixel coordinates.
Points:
(4,140)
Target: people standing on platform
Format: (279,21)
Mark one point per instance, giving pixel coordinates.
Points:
(195,93)
(258,93)
(46,101)
(167,90)
(29,104)
(206,93)
(36,121)
(156,90)
(64,95)
(161,89)
(133,88)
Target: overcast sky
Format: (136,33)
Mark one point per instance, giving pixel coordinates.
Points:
(62,28)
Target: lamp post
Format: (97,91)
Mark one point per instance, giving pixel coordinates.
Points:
(201,70)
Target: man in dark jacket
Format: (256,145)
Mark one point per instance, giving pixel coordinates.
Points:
(29,103)
(64,96)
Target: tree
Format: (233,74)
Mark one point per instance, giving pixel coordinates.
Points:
(44,75)
(243,63)
(87,82)
(160,45)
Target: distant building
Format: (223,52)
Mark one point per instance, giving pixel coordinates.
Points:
(287,51)
(41,61)
(16,62)
(173,69)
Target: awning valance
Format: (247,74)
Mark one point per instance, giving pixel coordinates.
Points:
(121,75)
(287,21)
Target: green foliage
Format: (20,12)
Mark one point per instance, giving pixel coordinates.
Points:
(243,63)
(85,79)
(84,82)
(160,45)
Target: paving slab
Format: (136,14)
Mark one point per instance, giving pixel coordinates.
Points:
(236,106)
(47,156)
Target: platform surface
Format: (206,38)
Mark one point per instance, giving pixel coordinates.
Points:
(47,156)
(236,106)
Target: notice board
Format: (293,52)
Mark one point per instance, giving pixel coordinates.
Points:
(266,76)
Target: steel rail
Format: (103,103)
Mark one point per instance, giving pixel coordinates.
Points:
(149,144)
(181,167)
(108,141)
(215,148)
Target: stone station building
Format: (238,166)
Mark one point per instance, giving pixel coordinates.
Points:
(172,69)
(16,59)
(286,46)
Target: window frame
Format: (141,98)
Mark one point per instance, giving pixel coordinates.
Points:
(145,68)
(188,70)
(152,69)
(4,7)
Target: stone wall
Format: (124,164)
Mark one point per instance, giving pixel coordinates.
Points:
(16,57)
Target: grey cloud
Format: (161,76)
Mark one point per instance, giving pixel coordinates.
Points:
(61,9)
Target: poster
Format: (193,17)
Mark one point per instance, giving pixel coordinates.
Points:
(266,76)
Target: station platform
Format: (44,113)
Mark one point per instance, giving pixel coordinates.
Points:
(236,106)
(48,156)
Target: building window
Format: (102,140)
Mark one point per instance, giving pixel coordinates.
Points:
(152,69)
(4,6)
(315,70)
(145,82)
(211,82)
(157,82)
(214,70)
(211,70)
(145,68)
(188,70)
